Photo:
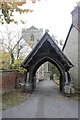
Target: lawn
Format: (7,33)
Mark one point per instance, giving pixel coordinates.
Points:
(57,82)
(75,96)
(13,98)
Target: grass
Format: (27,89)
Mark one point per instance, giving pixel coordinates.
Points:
(57,82)
(13,98)
(74,96)
(77,95)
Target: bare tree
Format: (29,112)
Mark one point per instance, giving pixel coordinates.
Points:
(11,42)
(55,39)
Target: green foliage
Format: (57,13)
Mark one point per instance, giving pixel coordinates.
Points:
(13,98)
(7,7)
(57,82)
(54,70)
(4,59)
(16,65)
(22,70)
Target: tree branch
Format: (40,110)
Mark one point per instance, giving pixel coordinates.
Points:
(3,44)
(17,42)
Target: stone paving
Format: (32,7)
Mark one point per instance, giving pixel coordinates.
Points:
(45,102)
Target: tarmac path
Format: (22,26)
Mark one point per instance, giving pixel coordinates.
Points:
(45,102)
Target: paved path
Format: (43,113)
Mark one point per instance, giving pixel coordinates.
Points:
(46,102)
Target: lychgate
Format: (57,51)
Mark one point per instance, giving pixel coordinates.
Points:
(47,50)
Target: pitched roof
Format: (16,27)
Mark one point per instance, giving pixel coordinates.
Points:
(48,48)
(67,37)
(75,22)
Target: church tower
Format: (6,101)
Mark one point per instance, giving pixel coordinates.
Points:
(32,36)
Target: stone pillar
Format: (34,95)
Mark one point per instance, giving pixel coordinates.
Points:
(27,77)
(34,83)
(69,87)
(66,78)
(27,85)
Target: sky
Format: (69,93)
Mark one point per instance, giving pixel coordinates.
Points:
(54,15)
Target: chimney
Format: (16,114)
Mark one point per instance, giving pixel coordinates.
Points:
(76,17)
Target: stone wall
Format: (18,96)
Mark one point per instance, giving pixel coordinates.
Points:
(37,34)
(8,80)
(71,51)
(79,59)
(72,48)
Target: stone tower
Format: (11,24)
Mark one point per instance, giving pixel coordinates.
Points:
(32,35)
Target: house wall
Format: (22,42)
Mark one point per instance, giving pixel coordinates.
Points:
(79,59)
(71,51)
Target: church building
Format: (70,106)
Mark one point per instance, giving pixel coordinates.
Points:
(71,46)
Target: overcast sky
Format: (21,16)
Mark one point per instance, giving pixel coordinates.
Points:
(54,15)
